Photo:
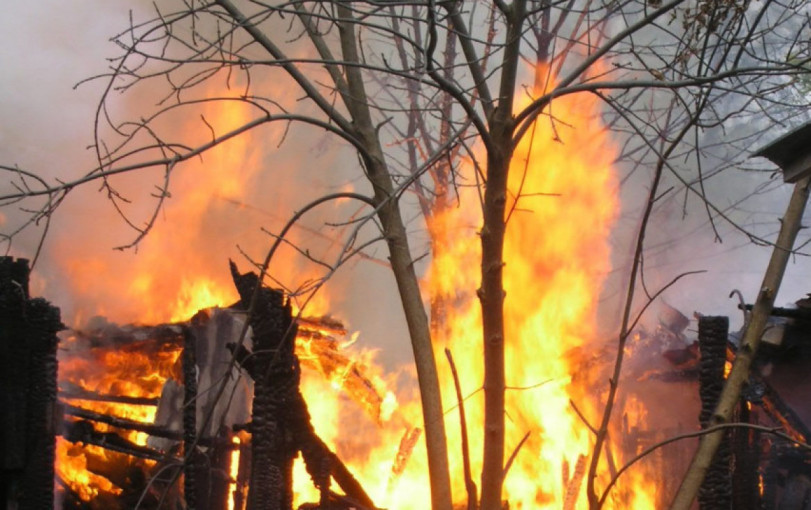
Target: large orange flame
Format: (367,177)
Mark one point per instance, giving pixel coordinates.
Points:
(563,203)
(564,200)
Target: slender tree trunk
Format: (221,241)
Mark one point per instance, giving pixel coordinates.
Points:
(746,353)
(402,266)
(419,331)
(491,296)
(491,292)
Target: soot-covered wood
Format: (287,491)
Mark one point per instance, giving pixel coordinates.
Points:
(28,364)
(716,491)
(281,425)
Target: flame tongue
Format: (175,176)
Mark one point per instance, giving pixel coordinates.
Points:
(563,203)
(557,254)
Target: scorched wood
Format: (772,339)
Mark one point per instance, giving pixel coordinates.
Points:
(28,365)
(84,432)
(275,374)
(71,391)
(716,491)
(122,423)
(281,425)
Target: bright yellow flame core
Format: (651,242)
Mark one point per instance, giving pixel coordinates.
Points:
(562,203)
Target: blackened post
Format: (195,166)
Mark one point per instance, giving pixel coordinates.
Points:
(275,372)
(281,425)
(746,451)
(716,491)
(28,366)
(219,472)
(189,363)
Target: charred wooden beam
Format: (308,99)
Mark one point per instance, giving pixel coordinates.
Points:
(83,431)
(716,491)
(318,456)
(74,392)
(275,373)
(28,369)
(407,444)
(123,423)
(779,411)
(316,452)
(746,452)
(113,399)
(103,334)
(13,374)
(326,325)
(774,406)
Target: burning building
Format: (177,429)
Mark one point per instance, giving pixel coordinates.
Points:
(179,407)
(133,430)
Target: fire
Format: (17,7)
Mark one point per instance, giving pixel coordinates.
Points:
(72,469)
(178,269)
(136,370)
(234,472)
(563,201)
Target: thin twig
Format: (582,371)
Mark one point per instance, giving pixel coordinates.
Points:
(470,485)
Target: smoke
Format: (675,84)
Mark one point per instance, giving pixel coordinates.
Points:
(219,204)
(47,126)
(726,245)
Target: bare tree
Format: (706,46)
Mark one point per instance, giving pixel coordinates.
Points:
(412,86)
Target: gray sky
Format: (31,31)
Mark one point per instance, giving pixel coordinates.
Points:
(46,125)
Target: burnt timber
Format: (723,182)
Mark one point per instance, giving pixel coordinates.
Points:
(28,367)
(281,426)
(716,491)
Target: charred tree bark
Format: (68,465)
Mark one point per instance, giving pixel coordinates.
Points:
(716,491)
(28,365)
